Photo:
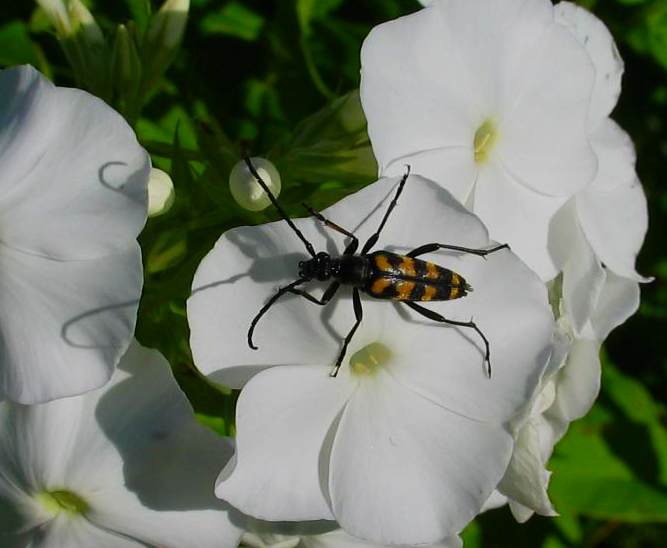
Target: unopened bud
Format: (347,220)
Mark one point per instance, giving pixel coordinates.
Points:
(125,62)
(161,193)
(56,12)
(247,191)
(168,24)
(83,21)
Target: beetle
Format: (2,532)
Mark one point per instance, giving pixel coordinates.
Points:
(381,274)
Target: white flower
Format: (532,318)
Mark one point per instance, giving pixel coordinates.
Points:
(605,223)
(409,440)
(491,98)
(73,200)
(123,466)
(567,392)
(602,225)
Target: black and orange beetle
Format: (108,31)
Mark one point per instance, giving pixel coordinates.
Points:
(381,274)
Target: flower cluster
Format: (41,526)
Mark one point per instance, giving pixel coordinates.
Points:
(410,440)
(85,460)
(528,145)
(406,358)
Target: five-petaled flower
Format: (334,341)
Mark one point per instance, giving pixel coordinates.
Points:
(409,440)
(124,466)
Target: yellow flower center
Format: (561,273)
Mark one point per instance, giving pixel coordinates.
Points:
(369,359)
(62,501)
(485,138)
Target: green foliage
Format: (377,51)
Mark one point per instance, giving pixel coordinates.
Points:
(233,19)
(277,78)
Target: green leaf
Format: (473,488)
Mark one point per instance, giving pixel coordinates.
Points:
(657,32)
(16,47)
(169,249)
(330,149)
(234,19)
(599,471)
(311,10)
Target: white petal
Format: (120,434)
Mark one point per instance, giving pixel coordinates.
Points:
(526,479)
(340,539)
(413,88)
(453,167)
(518,216)
(592,33)
(613,211)
(64,532)
(284,416)
(248,263)
(619,299)
(169,461)
(73,175)
(406,471)
(543,134)
(578,383)
(583,275)
(232,283)
(64,325)
(446,364)
(496,500)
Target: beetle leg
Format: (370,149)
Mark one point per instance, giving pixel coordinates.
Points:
(430,248)
(374,237)
(358,313)
(352,246)
(431,315)
(326,297)
(269,304)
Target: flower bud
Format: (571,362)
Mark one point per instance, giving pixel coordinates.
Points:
(125,62)
(247,191)
(168,24)
(161,193)
(56,13)
(82,20)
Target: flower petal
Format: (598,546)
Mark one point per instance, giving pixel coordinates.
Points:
(283,417)
(410,106)
(340,539)
(619,299)
(613,212)
(79,197)
(517,215)
(453,165)
(445,364)
(592,34)
(526,479)
(578,384)
(543,137)
(149,421)
(64,532)
(406,471)
(64,325)
(583,275)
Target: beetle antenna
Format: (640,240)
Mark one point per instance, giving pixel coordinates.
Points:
(275,203)
(269,304)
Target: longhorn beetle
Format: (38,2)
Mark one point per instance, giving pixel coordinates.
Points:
(381,274)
